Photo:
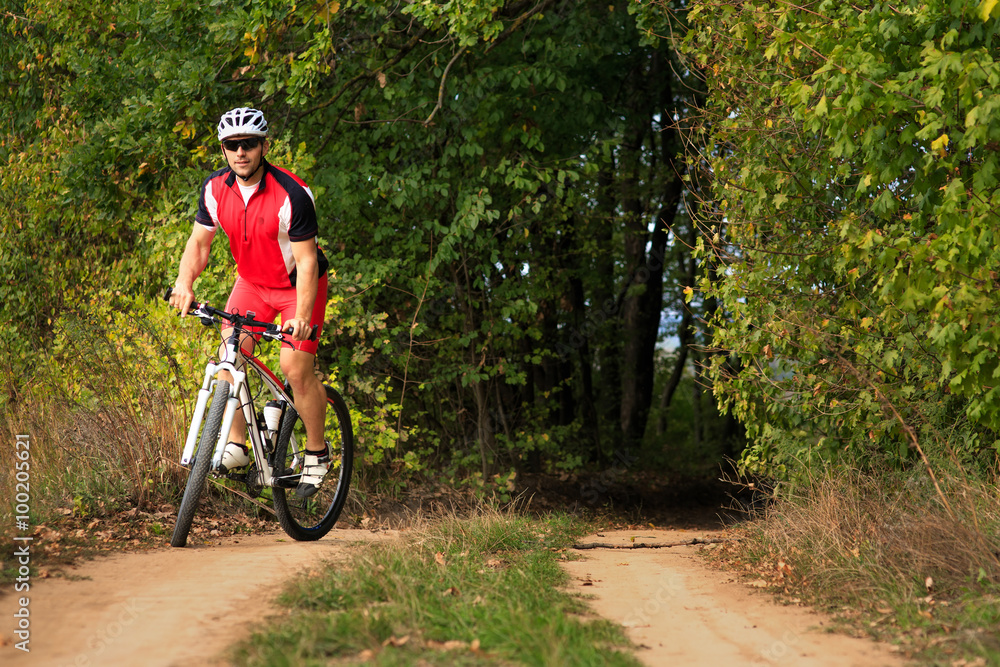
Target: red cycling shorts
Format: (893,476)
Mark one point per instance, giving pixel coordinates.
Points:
(268,302)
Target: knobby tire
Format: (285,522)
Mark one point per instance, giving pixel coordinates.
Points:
(313,518)
(202,462)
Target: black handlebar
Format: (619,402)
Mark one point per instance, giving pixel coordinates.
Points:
(208,315)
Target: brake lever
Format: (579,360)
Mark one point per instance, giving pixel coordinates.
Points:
(206,318)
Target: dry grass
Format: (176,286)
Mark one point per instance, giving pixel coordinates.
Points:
(885,552)
(854,530)
(119,447)
(103,417)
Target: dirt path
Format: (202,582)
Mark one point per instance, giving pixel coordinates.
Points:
(170,607)
(681,613)
(178,607)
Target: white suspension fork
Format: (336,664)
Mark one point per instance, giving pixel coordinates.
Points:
(211,372)
(204,394)
(231,406)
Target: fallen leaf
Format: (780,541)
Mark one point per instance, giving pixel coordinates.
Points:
(449,645)
(439,558)
(396,641)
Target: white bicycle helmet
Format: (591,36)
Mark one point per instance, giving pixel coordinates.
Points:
(242,121)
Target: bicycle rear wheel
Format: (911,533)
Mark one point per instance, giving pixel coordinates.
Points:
(202,462)
(313,517)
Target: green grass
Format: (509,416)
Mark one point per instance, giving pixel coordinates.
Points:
(481,591)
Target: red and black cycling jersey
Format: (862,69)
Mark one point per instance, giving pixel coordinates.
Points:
(261,231)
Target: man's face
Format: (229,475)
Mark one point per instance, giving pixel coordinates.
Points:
(244,160)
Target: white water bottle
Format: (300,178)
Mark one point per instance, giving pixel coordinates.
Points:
(272,417)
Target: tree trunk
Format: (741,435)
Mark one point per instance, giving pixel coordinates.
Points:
(588,410)
(485,435)
(640,330)
(647,182)
(604,308)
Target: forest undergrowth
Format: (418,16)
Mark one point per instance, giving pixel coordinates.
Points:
(886,553)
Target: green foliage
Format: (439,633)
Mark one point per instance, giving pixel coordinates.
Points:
(459,195)
(88,145)
(853,153)
(487,196)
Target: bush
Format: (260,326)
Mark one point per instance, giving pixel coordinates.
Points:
(104,409)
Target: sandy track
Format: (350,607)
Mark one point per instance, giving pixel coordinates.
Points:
(679,612)
(184,607)
(165,608)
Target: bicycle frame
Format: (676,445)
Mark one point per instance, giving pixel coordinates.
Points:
(278,461)
(239,395)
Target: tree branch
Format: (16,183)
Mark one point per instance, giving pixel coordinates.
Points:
(645,545)
(541,6)
(444,77)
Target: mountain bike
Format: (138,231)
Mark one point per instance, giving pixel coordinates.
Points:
(277,435)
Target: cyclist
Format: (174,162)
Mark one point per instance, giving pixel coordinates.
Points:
(269,216)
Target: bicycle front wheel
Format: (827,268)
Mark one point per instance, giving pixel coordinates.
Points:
(202,462)
(311,518)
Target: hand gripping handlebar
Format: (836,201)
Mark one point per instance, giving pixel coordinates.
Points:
(209,315)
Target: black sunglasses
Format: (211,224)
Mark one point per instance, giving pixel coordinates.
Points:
(248,144)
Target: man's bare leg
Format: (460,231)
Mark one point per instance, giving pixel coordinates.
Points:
(310,396)
(310,403)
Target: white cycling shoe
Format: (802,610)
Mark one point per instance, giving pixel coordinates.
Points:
(234,456)
(314,469)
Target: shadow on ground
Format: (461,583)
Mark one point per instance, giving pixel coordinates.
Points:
(666,501)
(622,500)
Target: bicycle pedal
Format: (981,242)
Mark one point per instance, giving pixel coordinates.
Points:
(288,480)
